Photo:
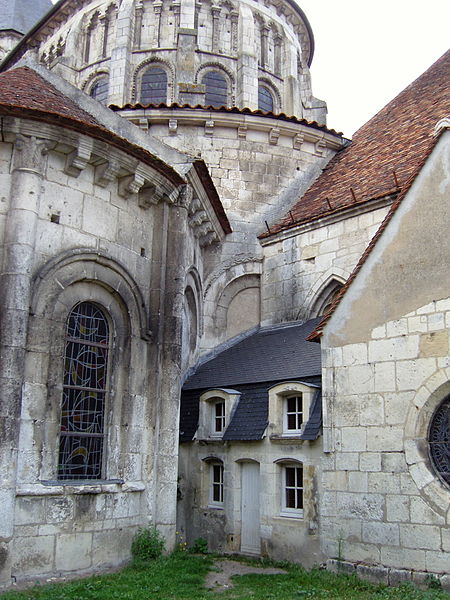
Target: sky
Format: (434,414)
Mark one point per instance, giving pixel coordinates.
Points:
(366,52)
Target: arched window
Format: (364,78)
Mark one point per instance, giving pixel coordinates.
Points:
(85,384)
(265,99)
(439,440)
(154,86)
(216,89)
(100,90)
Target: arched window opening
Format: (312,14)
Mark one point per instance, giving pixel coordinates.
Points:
(265,99)
(100,90)
(326,298)
(85,383)
(154,86)
(216,89)
(439,440)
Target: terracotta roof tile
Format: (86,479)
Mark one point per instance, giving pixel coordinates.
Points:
(24,93)
(384,153)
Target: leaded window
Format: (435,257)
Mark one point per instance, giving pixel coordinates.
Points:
(439,440)
(154,86)
(100,90)
(216,89)
(85,383)
(265,99)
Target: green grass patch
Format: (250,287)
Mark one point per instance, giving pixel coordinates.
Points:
(181,577)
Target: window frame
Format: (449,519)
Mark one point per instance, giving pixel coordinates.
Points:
(216,467)
(218,415)
(145,71)
(285,510)
(296,413)
(207,81)
(261,89)
(96,82)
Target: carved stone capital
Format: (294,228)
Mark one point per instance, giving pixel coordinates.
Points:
(30,153)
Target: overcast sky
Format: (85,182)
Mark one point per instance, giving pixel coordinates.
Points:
(368,51)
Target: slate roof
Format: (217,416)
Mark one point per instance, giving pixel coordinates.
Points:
(24,93)
(384,153)
(271,354)
(21,15)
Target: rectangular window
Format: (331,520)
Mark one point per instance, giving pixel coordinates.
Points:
(216,497)
(293,414)
(219,417)
(292,503)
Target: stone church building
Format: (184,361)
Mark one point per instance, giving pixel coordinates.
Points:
(217,315)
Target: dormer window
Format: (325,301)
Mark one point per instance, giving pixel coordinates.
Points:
(293,414)
(215,411)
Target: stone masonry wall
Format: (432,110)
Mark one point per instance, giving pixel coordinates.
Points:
(299,264)
(384,505)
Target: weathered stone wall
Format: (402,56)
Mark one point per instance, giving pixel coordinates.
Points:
(300,264)
(73,229)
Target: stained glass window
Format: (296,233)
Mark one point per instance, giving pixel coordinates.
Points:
(439,440)
(216,89)
(154,86)
(100,90)
(265,100)
(81,445)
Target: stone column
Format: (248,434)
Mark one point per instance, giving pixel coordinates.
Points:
(247,67)
(121,73)
(138,14)
(157,8)
(215,11)
(169,365)
(15,294)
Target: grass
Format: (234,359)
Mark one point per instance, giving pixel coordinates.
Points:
(181,577)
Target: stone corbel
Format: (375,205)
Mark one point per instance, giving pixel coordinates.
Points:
(274,134)
(131,184)
(198,218)
(77,160)
(148,196)
(319,147)
(208,239)
(106,173)
(242,132)
(298,141)
(209,128)
(203,230)
(173,126)
(194,206)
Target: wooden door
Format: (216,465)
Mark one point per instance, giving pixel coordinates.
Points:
(250,527)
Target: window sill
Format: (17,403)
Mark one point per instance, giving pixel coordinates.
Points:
(60,488)
(286,438)
(294,516)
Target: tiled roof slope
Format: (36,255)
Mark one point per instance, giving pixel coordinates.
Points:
(384,153)
(24,93)
(270,354)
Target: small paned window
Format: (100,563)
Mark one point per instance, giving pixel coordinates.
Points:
(216,497)
(219,417)
(265,99)
(292,504)
(439,440)
(216,89)
(100,90)
(293,415)
(154,86)
(85,382)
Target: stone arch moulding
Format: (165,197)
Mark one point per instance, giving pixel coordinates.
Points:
(92,78)
(318,292)
(84,265)
(217,66)
(265,82)
(425,402)
(244,282)
(154,61)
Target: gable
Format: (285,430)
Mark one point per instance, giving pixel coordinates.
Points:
(408,266)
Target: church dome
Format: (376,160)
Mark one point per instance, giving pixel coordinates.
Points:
(244,54)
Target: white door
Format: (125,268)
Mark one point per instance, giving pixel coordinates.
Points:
(250,534)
